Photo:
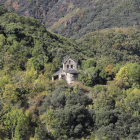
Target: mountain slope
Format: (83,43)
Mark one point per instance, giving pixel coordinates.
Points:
(23,39)
(117,45)
(76,18)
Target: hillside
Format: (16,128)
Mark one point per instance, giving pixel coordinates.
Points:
(74,19)
(24,38)
(117,45)
(103,104)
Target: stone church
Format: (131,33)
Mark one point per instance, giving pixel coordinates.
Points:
(68,72)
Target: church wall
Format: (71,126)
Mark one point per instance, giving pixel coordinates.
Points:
(70,64)
(70,78)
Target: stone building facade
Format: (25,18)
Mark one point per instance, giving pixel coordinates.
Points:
(68,72)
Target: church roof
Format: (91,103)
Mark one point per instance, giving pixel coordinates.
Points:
(58,72)
(66,60)
(67,70)
(71,71)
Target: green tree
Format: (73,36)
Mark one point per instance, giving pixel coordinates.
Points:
(89,63)
(16,124)
(104,102)
(10,94)
(72,121)
(128,75)
(40,133)
(132,101)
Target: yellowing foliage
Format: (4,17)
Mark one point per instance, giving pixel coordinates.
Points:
(110,70)
(123,73)
(10,93)
(132,101)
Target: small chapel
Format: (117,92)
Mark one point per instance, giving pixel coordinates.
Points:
(68,72)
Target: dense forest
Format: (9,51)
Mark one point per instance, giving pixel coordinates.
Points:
(75,18)
(103,105)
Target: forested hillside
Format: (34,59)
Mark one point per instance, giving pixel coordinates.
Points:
(24,38)
(103,105)
(29,55)
(74,19)
(108,48)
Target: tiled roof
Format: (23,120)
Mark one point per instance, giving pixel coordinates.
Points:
(66,71)
(66,59)
(71,71)
(58,72)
